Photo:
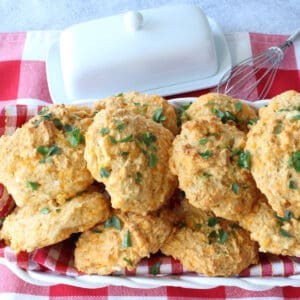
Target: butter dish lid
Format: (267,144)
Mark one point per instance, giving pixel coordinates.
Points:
(165,50)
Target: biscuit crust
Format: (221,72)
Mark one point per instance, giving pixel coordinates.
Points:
(152,107)
(228,110)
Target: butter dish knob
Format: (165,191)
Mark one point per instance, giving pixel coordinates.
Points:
(133,20)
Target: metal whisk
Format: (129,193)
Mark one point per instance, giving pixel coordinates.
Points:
(242,80)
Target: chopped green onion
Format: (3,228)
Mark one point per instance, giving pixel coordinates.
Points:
(68,128)
(104,131)
(292,185)
(32,185)
(197,226)
(238,106)
(212,221)
(212,234)
(253,121)
(235,188)
(236,151)
(152,160)
(104,173)
(45,210)
(45,114)
(154,269)
(224,116)
(116,222)
(223,236)
(158,116)
(203,141)
(278,127)
(112,140)
(57,123)
(36,123)
(124,153)
(96,231)
(206,154)
(75,137)
(294,161)
(138,178)
(287,216)
(46,152)
(244,160)
(285,233)
(127,139)
(127,240)
(129,261)
(205,176)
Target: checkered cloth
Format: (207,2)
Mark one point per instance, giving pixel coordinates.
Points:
(23,75)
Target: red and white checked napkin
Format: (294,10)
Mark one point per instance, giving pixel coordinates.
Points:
(23,75)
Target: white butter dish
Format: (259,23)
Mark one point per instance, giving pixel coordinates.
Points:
(161,50)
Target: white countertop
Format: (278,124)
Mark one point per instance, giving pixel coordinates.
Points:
(266,16)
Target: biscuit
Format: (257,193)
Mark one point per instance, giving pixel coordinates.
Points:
(213,168)
(43,160)
(284,105)
(121,242)
(275,234)
(213,246)
(129,154)
(274,147)
(38,225)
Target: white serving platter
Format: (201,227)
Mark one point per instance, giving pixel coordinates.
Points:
(59,95)
(138,281)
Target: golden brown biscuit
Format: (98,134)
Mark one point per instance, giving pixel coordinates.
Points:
(213,169)
(274,146)
(228,110)
(210,245)
(129,154)
(284,105)
(278,235)
(43,160)
(152,107)
(121,242)
(37,225)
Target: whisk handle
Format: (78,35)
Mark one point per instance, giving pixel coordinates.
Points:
(290,40)
(294,36)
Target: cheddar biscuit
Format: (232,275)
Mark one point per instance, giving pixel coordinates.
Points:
(38,225)
(121,242)
(275,234)
(43,160)
(274,147)
(129,154)
(213,169)
(213,246)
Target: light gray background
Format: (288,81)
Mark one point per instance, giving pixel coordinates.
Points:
(266,16)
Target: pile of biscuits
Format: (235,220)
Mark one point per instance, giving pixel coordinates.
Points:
(109,172)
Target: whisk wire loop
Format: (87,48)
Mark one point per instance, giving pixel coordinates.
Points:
(243,79)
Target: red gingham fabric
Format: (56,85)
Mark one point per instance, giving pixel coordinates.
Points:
(23,75)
